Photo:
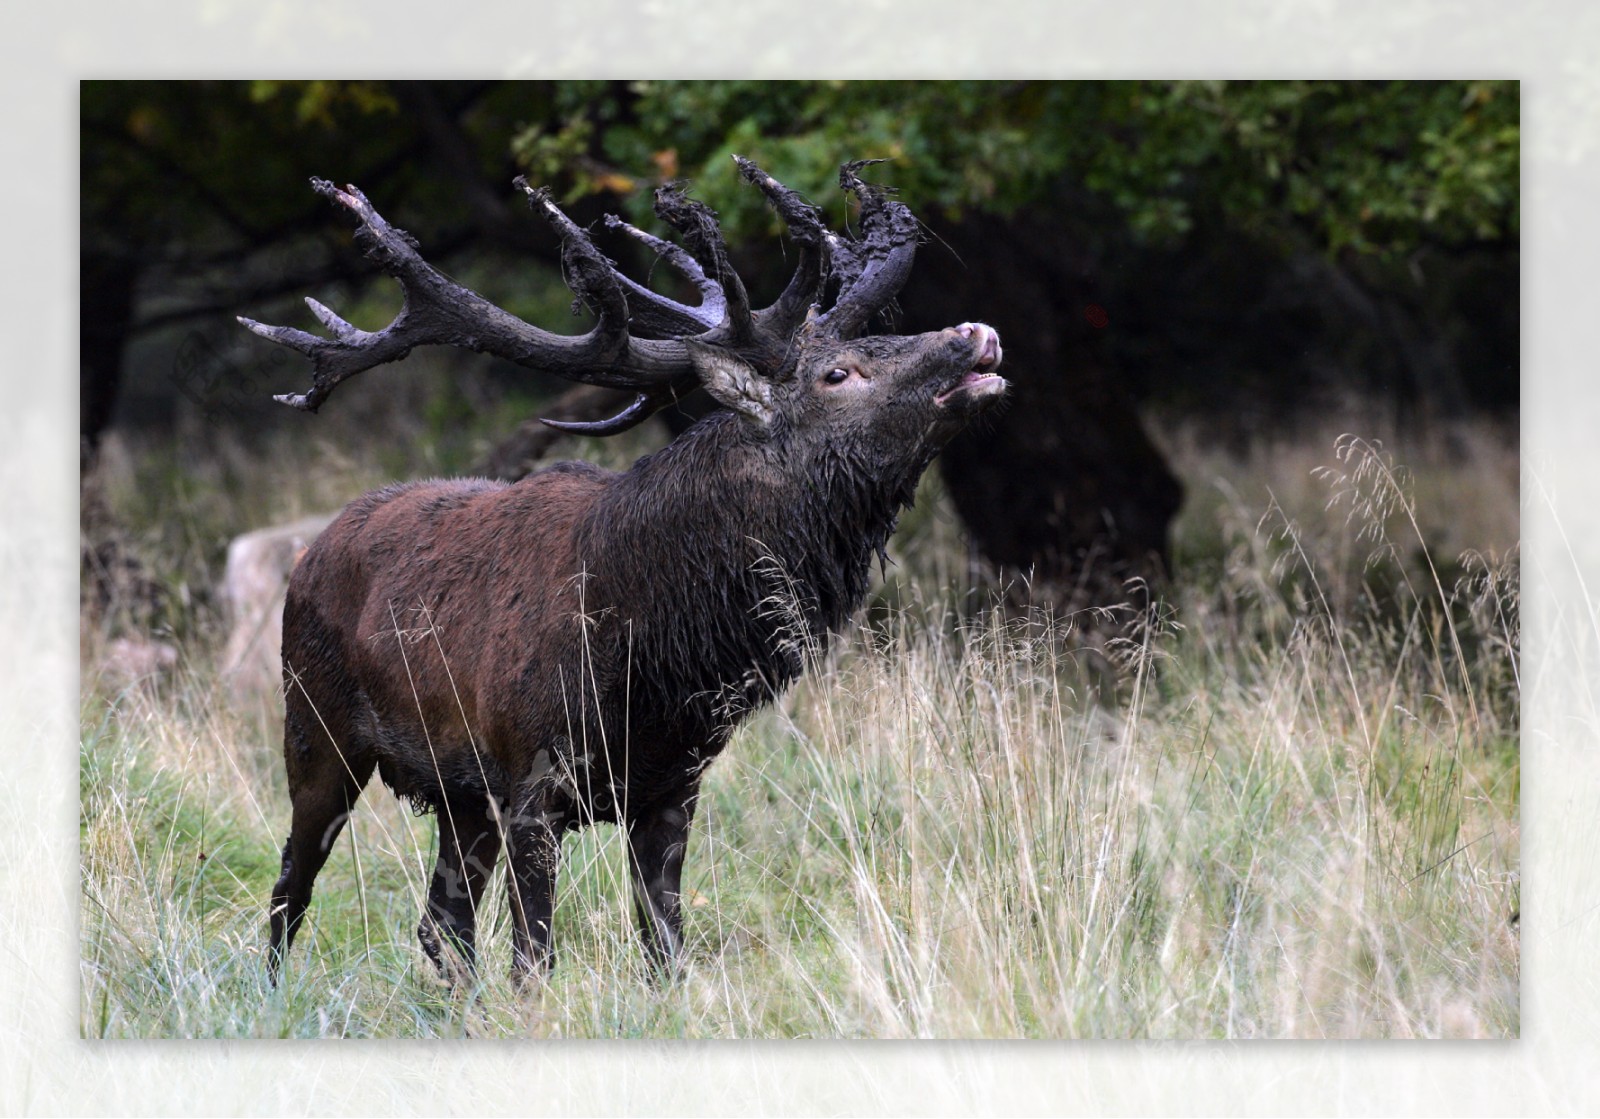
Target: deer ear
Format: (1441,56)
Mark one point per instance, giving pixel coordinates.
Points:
(732,382)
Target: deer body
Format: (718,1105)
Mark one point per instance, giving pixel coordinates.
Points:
(576,647)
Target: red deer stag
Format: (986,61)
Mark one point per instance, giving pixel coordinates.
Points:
(576,647)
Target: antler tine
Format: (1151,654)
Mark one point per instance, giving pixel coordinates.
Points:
(588,273)
(657,313)
(645,405)
(805,226)
(874,269)
(702,236)
(438,311)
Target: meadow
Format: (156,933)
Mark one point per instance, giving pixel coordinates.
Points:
(1283,804)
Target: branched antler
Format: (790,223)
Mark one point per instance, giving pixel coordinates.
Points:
(666,316)
(439,311)
(805,226)
(638,339)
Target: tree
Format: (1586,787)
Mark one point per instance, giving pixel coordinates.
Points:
(1037,194)
(1124,213)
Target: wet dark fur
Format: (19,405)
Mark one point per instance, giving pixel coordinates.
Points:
(529,658)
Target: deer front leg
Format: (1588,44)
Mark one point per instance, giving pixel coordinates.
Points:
(656,843)
(533,858)
(469,845)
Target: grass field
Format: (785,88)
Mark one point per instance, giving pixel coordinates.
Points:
(1297,815)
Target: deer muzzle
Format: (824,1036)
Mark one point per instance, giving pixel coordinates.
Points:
(980,382)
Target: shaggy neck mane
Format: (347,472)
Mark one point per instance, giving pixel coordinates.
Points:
(727,559)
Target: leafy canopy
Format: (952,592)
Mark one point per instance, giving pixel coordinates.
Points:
(1378,167)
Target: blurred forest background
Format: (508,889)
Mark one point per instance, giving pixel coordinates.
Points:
(1238,257)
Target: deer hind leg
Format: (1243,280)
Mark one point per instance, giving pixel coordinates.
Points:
(469,846)
(656,843)
(324,782)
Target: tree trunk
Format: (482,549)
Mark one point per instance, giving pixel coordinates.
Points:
(105,312)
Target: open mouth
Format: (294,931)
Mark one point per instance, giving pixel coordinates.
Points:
(980,380)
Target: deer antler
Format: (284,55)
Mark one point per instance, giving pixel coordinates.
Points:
(870,271)
(805,226)
(439,311)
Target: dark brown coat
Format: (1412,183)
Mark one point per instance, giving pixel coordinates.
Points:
(576,647)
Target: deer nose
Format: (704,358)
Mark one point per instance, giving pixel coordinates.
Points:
(989,348)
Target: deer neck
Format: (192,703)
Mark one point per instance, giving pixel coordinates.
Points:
(727,562)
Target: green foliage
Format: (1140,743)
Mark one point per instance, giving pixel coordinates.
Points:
(204,166)
(1375,166)
(204,172)
(322,102)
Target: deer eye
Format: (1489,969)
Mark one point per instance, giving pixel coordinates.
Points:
(836,376)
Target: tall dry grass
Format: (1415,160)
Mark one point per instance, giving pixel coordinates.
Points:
(1298,818)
